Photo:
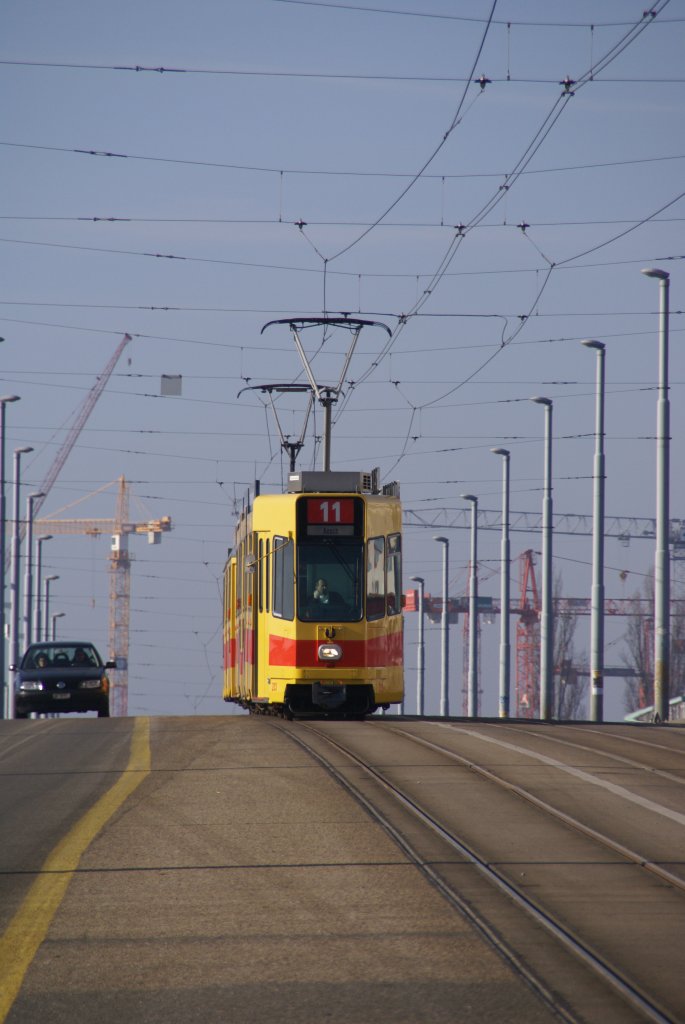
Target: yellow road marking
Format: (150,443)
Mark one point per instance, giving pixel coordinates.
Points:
(30,924)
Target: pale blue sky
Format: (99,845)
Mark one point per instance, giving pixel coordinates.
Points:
(275,114)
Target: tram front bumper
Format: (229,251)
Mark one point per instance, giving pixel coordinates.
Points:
(329,696)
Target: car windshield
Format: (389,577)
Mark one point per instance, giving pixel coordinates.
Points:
(61,656)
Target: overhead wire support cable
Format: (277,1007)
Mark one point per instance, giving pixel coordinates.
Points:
(417,176)
(542,133)
(524,159)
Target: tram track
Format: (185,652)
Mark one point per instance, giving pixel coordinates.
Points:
(567,819)
(629,999)
(631,762)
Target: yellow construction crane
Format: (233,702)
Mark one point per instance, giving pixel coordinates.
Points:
(119,528)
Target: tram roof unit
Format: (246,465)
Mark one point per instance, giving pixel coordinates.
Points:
(316,481)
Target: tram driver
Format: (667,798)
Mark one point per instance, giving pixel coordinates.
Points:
(323,597)
(321,592)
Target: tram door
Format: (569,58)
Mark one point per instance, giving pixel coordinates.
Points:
(244,655)
(231,683)
(251,617)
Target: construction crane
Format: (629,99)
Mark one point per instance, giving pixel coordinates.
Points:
(528,609)
(72,437)
(120,528)
(527,696)
(624,528)
(528,635)
(78,424)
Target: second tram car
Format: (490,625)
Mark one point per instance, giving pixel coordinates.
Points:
(313,599)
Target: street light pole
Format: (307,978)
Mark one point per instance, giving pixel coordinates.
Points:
(37,628)
(28,575)
(444,631)
(547,612)
(3,555)
(14,592)
(505,586)
(472,691)
(48,581)
(54,617)
(597,597)
(421,649)
(662,566)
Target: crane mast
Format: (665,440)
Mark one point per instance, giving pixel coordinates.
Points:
(119,528)
(120,602)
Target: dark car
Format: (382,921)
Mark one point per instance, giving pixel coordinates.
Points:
(59,677)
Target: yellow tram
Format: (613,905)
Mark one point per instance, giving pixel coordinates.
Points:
(313,598)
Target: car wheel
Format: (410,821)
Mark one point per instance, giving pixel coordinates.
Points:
(103,710)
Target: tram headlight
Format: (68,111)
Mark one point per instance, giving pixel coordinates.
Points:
(330,652)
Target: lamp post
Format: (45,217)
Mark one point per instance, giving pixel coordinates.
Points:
(444,631)
(3,554)
(597,597)
(505,586)
(46,604)
(662,566)
(53,618)
(14,590)
(421,649)
(28,575)
(472,691)
(38,622)
(547,611)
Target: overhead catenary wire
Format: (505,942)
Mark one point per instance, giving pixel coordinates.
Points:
(326,271)
(247,73)
(338,172)
(515,22)
(541,134)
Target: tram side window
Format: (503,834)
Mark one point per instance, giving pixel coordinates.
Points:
(375,578)
(394,594)
(283,596)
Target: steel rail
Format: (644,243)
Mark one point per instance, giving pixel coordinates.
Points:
(449,893)
(554,812)
(645,743)
(613,757)
(621,985)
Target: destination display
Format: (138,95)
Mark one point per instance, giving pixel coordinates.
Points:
(332,516)
(330,511)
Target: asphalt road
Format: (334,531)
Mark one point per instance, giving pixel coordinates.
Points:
(208,869)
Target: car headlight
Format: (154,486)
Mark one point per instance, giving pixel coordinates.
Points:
(90,684)
(30,686)
(330,652)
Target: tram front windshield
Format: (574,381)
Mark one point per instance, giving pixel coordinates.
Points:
(329,580)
